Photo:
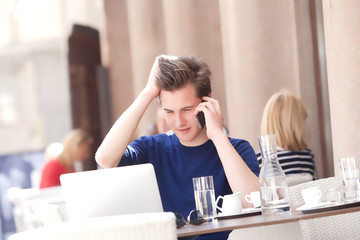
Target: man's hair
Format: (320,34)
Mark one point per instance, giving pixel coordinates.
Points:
(285,115)
(176,72)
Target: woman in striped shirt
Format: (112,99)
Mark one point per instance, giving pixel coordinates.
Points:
(285,115)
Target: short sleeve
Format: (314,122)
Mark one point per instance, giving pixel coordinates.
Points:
(247,153)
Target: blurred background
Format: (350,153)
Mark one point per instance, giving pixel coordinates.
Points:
(79,64)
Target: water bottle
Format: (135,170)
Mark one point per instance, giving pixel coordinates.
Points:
(274,191)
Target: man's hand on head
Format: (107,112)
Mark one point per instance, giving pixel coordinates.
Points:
(151,86)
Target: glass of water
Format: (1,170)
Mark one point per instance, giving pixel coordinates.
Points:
(349,168)
(204,193)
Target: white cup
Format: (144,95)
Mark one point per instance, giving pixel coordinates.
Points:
(312,196)
(254,198)
(231,204)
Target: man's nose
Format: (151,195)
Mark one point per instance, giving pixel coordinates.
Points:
(179,120)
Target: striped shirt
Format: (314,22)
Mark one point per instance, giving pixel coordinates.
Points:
(294,162)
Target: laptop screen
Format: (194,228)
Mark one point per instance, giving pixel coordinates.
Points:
(112,191)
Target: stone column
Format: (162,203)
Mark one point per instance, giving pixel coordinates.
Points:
(342,36)
(259,53)
(121,84)
(147,40)
(193,28)
(267,46)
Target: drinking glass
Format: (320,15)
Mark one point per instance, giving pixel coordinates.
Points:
(349,168)
(335,194)
(204,193)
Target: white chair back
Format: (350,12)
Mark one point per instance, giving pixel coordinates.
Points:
(324,184)
(296,179)
(144,226)
(342,226)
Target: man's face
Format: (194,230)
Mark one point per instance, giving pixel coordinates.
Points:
(179,107)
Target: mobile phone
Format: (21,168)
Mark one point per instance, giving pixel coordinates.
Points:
(200,119)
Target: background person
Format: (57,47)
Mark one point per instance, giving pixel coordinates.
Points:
(76,147)
(53,151)
(285,115)
(183,87)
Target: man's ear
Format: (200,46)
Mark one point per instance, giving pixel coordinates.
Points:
(209,95)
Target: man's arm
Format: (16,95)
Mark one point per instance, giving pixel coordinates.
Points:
(238,174)
(115,142)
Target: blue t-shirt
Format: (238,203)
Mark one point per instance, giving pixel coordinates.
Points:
(176,165)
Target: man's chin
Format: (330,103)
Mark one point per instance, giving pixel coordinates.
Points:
(187,141)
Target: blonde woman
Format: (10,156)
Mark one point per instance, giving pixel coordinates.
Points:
(285,115)
(76,147)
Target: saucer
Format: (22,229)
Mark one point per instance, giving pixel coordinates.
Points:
(327,206)
(246,212)
(227,214)
(251,210)
(306,207)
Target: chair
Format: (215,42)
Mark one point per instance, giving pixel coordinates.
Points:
(144,226)
(324,184)
(343,226)
(15,170)
(35,207)
(283,231)
(296,179)
(295,229)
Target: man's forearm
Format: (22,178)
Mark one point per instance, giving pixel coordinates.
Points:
(239,175)
(115,142)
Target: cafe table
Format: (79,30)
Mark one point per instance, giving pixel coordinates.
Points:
(257,220)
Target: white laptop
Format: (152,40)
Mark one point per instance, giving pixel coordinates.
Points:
(112,191)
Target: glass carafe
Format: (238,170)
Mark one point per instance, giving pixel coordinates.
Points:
(274,190)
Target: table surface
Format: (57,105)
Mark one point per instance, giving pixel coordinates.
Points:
(258,220)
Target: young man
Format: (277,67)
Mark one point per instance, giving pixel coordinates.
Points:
(183,87)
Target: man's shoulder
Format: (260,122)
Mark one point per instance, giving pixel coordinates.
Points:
(242,146)
(238,141)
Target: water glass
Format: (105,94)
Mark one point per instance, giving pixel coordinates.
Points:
(349,168)
(204,193)
(335,194)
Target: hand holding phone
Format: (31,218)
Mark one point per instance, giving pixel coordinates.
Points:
(200,119)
